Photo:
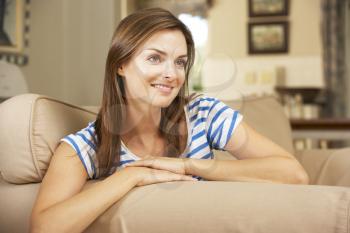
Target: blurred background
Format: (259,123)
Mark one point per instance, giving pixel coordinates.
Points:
(296,50)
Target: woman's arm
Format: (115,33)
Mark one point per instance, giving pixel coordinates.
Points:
(259,159)
(274,169)
(61,206)
(271,169)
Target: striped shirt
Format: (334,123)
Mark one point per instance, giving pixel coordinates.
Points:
(210,125)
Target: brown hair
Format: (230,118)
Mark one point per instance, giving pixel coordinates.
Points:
(131,32)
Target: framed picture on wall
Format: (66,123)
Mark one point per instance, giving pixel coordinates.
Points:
(11,25)
(268,37)
(14,31)
(258,8)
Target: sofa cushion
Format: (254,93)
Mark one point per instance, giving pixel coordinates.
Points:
(214,206)
(327,167)
(266,115)
(16,206)
(205,206)
(31,126)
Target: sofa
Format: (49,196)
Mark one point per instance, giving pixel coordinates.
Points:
(31,126)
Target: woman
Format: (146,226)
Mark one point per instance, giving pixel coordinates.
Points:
(149,131)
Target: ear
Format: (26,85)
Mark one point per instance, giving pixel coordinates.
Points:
(120,71)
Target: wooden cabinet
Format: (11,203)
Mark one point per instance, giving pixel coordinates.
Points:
(320,133)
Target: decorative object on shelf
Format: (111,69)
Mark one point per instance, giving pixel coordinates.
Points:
(309,94)
(301,102)
(259,8)
(268,37)
(14,31)
(310,129)
(12,81)
(320,133)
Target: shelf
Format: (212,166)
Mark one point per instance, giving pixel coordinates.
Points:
(309,94)
(342,124)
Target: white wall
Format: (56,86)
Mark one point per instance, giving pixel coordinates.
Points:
(228,39)
(228,28)
(88,28)
(44,72)
(69,42)
(228,78)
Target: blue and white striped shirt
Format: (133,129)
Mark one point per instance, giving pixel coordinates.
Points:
(210,125)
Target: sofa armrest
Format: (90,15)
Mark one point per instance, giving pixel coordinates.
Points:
(327,167)
(217,206)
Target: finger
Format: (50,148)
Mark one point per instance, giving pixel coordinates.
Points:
(189,178)
(185,178)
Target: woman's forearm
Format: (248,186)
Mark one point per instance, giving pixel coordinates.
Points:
(78,212)
(274,169)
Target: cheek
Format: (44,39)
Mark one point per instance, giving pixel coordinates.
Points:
(139,75)
(145,71)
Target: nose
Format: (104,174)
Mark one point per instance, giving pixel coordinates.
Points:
(169,71)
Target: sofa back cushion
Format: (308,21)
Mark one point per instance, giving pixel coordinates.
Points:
(31,126)
(266,115)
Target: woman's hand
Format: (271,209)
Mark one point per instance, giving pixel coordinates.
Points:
(146,176)
(174,165)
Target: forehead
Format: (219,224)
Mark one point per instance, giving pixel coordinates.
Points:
(169,41)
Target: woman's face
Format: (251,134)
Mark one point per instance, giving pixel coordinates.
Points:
(156,72)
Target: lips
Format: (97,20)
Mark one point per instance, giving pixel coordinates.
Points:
(162,87)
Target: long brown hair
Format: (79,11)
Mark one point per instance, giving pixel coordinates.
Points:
(131,32)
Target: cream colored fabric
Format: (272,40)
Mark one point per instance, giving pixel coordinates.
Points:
(16,203)
(31,126)
(212,206)
(205,206)
(327,167)
(267,117)
(16,163)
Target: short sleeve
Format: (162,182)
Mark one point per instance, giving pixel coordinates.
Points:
(222,121)
(84,144)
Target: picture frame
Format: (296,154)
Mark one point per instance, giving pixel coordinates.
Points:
(14,31)
(268,37)
(11,26)
(261,8)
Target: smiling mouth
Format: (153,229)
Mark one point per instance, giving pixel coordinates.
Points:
(162,87)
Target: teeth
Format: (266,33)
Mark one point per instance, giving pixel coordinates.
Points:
(161,86)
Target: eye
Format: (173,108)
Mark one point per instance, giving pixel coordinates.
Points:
(181,63)
(155,59)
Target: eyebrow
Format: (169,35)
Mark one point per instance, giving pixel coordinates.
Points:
(164,53)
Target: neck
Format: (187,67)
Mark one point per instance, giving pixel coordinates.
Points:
(142,122)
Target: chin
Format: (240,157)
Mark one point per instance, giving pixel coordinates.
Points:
(162,104)
(163,101)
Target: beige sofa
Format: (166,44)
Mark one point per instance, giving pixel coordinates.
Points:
(31,126)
